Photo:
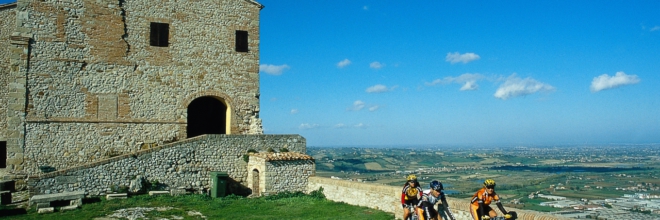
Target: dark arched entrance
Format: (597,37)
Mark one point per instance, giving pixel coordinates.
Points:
(206,115)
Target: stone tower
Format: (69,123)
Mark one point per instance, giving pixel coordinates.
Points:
(85,80)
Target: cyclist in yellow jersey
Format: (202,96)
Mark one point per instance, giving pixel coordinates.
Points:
(410,194)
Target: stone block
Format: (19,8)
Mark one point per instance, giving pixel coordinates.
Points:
(116,196)
(155,193)
(177,192)
(56,197)
(71,207)
(46,210)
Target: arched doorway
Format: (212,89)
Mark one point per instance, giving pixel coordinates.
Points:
(255,182)
(206,115)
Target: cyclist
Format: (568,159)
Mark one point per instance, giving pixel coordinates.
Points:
(410,194)
(480,204)
(432,197)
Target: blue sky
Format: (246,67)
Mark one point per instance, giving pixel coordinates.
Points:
(461,72)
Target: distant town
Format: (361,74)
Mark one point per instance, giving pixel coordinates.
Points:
(596,182)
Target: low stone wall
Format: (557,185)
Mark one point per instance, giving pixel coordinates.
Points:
(388,198)
(181,164)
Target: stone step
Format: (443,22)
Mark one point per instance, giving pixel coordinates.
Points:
(116,196)
(155,193)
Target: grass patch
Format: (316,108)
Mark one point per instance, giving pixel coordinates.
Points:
(280,206)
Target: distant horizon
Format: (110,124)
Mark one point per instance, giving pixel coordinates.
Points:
(487,146)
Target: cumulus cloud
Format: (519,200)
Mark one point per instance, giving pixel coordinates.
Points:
(376,65)
(468,80)
(456,57)
(357,106)
(360,125)
(656,28)
(343,63)
(605,81)
(515,86)
(340,125)
(273,69)
(306,126)
(294,111)
(379,89)
(374,108)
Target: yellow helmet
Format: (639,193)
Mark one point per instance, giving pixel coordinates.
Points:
(489,183)
(411,177)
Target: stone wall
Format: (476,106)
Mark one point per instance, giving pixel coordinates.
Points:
(182,164)
(7,22)
(388,198)
(90,70)
(279,172)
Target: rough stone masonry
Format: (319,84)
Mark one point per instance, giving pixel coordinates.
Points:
(86,80)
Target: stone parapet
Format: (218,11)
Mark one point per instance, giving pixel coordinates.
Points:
(388,198)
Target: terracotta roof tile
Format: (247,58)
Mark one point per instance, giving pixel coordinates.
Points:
(282,156)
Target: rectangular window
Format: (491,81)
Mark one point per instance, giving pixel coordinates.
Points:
(3,154)
(241,41)
(160,34)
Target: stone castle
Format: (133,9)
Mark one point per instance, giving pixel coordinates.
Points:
(169,89)
(99,93)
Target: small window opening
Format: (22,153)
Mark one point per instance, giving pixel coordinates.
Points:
(160,34)
(3,154)
(241,41)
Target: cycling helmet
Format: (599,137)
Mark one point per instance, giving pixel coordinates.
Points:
(411,177)
(436,185)
(489,183)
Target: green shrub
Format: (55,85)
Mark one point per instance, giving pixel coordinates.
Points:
(317,193)
(284,149)
(270,150)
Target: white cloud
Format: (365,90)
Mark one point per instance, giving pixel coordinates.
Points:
(272,69)
(469,81)
(343,126)
(340,125)
(374,108)
(604,81)
(469,86)
(379,88)
(306,126)
(656,28)
(514,86)
(343,63)
(376,65)
(458,58)
(294,111)
(357,106)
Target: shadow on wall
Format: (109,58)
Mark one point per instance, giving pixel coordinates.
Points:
(236,188)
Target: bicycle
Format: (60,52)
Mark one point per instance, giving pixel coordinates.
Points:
(413,213)
(512,215)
